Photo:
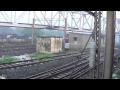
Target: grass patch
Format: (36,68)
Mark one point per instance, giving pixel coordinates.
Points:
(6,59)
(38,55)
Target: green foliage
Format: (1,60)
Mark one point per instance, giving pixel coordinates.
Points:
(38,55)
(6,59)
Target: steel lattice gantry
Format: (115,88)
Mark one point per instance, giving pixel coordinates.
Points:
(97,38)
(76,20)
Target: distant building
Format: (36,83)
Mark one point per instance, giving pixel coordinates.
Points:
(77,41)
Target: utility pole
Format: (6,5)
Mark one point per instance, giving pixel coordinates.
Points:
(119,31)
(65,27)
(33,30)
(109,47)
(65,32)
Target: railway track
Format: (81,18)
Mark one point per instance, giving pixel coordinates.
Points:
(17,50)
(62,72)
(35,61)
(66,73)
(54,71)
(79,74)
(28,70)
(18,71)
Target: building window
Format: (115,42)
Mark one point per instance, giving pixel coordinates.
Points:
(75,38)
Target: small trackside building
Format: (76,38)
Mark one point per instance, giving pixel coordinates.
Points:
(49,44)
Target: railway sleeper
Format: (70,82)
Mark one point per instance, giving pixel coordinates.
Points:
(81,73)
(79,70)
(38,75)
(57,70)
(65,75)
(23,63)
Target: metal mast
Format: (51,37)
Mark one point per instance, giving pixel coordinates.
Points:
(97,39)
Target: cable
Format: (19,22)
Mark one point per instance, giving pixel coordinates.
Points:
(81,54)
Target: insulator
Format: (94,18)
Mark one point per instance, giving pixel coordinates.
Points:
(92,54)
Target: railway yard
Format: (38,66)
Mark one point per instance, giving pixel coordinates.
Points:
(64,65)
(58,46)
(60,66)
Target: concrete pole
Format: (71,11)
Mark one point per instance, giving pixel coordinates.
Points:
(65,33)
(109,47)
(65,27)
(33,30)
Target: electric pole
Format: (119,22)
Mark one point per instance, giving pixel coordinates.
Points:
(109,47)
(33,30)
